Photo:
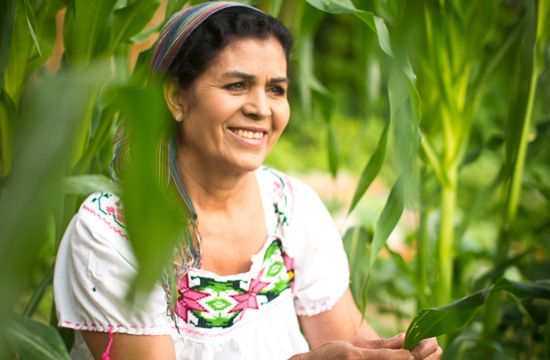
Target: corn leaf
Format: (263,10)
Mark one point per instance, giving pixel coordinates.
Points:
(150,214)
(130,21)
(388,218)
(372,168)
(33,340)
(172,6)
(334,6)
(84,185)
(453,317)
(379,27)
(85,22)
(333,154)
(31,22)
(8,127)
(33,189)
(7,21)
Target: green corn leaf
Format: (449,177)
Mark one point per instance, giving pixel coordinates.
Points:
(334,6)
(450,318)
(33,188)
(85,22)
(453,317)
(388,218)
(102,134)
(33,340)
(372,168)
(144,35)
(405,268)
(31,22)
(7,21)
(150,214)
(8,129)
(40,289)
(333,154)
(130,21)
(379,27)
(539,289)
(84,185)
(376,23)
(173,6)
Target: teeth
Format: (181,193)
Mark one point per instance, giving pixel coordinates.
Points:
(249,134)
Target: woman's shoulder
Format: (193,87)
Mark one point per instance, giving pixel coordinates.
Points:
(284,185)
(292,200)
(102,211)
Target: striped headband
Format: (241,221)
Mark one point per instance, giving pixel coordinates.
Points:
(178,28)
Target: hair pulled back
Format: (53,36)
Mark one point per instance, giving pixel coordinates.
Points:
(206,42)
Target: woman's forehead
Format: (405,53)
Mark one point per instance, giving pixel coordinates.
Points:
(250,58)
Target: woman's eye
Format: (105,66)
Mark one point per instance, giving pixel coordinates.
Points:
(278,90)
(236,86)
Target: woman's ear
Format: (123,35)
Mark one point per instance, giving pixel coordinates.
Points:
(173,96)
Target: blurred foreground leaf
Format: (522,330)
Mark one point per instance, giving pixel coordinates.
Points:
(32,191)
(33,340)
(453,317)
(153,222)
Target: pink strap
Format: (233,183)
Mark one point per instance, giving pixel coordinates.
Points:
(106,353)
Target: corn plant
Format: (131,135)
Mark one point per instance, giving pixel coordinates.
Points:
(440,61)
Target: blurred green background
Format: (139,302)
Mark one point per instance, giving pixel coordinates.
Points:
(439,108)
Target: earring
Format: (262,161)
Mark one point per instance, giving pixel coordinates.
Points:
(178,119)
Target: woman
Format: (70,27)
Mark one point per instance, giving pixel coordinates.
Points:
(270,265)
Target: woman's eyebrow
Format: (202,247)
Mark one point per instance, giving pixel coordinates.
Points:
(246,76)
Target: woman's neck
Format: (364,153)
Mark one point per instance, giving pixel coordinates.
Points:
(212,189)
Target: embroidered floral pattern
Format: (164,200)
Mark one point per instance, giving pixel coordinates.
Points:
(283,195)
(112,210)
(207,302)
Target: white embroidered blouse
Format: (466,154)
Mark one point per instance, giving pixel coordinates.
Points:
(301,270)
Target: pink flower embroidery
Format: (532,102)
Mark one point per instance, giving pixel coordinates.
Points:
(119,214)
(249,300)
(187,299)
(110,210)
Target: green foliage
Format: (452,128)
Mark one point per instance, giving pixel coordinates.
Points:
(447,97)
(34,340)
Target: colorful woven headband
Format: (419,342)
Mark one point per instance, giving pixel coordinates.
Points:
(178,28)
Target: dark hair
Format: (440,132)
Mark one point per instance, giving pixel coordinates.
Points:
(210,38)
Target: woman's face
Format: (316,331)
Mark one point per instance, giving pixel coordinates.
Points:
(237,109)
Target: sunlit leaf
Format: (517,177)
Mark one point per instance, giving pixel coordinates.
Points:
(372,168)
(31,21)
(33,340)
(85,185)
(379,27)
(388,218)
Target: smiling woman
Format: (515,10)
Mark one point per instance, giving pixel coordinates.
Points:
(265,275)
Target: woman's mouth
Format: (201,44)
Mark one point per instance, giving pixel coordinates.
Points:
(248,134)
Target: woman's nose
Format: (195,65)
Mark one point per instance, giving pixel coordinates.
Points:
(257,105)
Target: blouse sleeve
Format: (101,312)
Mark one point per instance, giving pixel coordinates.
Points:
(321,264)
(94,268)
